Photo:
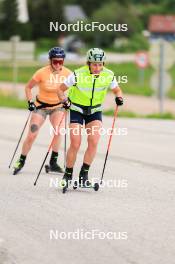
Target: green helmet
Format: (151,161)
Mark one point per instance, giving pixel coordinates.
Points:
(96,55)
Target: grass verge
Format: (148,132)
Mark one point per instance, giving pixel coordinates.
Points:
(12,102)
(129,114)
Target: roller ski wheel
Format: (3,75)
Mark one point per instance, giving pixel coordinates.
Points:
(47,168)
(56,168)
(96,186)
(87,186)
(75,186)
(64,189)
(63,185)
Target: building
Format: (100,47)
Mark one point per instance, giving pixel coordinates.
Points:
(72,13)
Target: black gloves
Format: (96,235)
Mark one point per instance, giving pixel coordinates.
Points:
(31,106)
(119,100)
(66,103)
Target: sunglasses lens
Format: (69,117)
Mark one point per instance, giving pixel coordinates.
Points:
(56,62)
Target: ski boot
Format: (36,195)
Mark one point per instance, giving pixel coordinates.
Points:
(83,179)
(66,181)
(53,167)
(84,182)
(18,166)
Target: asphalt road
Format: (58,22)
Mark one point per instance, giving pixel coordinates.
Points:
(41,225)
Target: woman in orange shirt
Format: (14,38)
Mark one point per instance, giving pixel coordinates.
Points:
(48,80)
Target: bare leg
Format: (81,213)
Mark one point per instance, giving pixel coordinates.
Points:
(93,139)
(55,119)
(75,142)
(36,122)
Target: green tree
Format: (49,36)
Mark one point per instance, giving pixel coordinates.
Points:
(114,13)
(41,13)
(9,15)
(119,14)
(169,6)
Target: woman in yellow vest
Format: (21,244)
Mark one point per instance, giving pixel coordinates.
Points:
(87,89)
(48,80)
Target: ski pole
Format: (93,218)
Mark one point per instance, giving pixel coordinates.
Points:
(20,139)
(48,151)
(109,143)
(65,140)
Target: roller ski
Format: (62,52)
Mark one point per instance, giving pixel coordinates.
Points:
(18,166)
(84,182)
(53,168)
(94,186)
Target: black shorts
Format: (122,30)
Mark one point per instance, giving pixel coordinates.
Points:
(77,117)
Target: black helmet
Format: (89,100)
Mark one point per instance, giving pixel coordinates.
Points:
(56,52)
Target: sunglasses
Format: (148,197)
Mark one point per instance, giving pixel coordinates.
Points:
(56,62)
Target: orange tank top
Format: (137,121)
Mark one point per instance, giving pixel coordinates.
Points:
(48,83)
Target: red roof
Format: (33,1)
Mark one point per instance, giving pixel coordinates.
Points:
(162,24)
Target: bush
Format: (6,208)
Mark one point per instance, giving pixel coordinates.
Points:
(114,13)
(135,43)
(25,31)
(44,44)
